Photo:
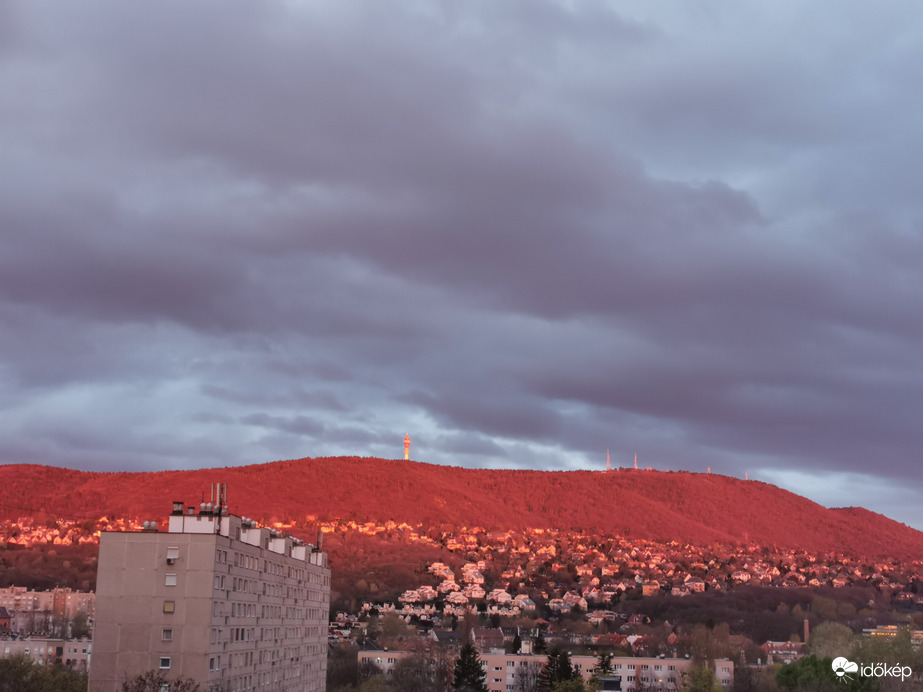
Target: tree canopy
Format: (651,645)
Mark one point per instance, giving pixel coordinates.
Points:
(154,680)
(22,674)
(470,675)
(557,668)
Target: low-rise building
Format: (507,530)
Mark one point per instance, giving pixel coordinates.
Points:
(71,653)
(511,672)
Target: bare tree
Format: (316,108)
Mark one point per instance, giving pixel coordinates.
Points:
(527,677)
(424,671)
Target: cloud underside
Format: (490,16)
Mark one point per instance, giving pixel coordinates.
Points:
(523,233)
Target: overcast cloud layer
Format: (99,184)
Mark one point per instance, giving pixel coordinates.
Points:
(522,232)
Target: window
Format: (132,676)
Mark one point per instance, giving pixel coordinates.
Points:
(172,555)
(169,606)
(166,635)
(170,580)
(165,663)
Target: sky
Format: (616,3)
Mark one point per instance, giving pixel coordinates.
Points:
(524,233)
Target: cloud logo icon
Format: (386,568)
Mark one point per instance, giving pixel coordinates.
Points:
(843,666)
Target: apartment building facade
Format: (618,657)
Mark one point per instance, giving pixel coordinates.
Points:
(71,653)
(518,672)
(214,598)
(506,671)
(60,602)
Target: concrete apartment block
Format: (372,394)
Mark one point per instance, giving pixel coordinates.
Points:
(214,598)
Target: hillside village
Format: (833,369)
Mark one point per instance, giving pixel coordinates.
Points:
(603,566)
(608,565)
(595,594)
(27,532)
(550,572)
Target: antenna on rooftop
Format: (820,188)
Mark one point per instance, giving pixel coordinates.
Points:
(220,498)
(219,504)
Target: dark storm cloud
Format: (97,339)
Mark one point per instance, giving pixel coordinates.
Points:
(475,446)
(524,233)
(514,417)
(297,425)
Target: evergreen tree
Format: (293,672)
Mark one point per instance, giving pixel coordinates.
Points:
(470,675)
(602,669)
(557,668)
(517,644)
(575,685)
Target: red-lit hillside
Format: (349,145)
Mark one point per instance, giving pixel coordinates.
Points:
(691,508)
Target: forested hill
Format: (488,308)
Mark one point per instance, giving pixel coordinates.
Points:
(691,508)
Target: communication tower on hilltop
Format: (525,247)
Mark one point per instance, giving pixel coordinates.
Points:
(636,461)
(406,447)
(608,468)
